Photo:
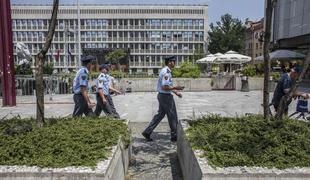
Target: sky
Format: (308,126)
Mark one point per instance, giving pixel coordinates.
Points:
(241,9)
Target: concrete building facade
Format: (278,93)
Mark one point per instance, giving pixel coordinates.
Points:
(150,32)
(291,24)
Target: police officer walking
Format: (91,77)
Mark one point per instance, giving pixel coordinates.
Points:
(103,89)
(167,106)
(83,105)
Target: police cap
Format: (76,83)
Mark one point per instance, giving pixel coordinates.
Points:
(87,58)
(170,58)
(104,66)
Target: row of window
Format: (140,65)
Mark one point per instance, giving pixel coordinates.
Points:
(146,46)
(110,11)
(136,22)
(142,46)
(30,35)
(114,22)
(146,34)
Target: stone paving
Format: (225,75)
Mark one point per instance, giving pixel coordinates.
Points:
(141,107)
(155,160)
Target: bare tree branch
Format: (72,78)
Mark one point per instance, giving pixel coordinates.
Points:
(40,58)
(268,19)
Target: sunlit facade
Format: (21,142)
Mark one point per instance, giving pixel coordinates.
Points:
(151,32)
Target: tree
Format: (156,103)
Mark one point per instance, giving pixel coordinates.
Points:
(198,54)
(115,57)
(40,58)
(228,34)
(266,39)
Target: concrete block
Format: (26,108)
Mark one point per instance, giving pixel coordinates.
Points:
(194,167)
(150,84)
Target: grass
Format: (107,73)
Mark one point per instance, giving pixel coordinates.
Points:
(251,141)
(61,143)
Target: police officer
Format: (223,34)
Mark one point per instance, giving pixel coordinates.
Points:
(83,105)
(104,99)
(167,107)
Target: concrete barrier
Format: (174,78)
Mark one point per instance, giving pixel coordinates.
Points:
(114,168)
(150,84)
(194,167)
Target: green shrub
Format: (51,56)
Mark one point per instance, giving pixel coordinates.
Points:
(249,70)
(23,69)
(275,75)
(251,141)
(61,143)
(186,70)
(117,74)
(48,68)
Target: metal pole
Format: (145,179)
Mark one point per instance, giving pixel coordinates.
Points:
(79,34)
(7,73)
(66,47)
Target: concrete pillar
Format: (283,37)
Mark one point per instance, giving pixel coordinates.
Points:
(6,55)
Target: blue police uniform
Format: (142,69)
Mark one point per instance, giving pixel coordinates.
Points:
(103,83)
(81,80)
(166,104)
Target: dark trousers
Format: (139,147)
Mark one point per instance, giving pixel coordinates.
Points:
(166,107)
(110,101)
(106,108)
(277,104)
(81,106)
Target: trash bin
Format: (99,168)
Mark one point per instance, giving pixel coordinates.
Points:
(271,84)
(245,84)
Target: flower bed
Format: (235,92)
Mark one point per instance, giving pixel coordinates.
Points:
(81,148)
(245,147)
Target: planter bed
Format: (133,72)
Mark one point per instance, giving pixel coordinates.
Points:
(288,162)
(64,149)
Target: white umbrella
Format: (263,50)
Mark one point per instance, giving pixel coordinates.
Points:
(207,60)
(232,57)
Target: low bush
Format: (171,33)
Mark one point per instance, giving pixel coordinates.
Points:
(187,70)
(251,141)
(249,70)
(61,143)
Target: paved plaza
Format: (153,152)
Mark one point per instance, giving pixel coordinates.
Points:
(140,107)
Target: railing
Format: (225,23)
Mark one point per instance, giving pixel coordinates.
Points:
(25,85)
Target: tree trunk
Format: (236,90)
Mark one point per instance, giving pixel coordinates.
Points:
(285,99)
(40,58)
(268,19)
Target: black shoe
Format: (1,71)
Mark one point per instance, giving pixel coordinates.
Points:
(174,139)
(147,136)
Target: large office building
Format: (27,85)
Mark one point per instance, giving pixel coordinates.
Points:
(150,32)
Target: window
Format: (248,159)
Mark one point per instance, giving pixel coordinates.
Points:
(201,23)
(167,22)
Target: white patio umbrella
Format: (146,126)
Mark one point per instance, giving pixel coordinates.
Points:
(232,57)
(207,60)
